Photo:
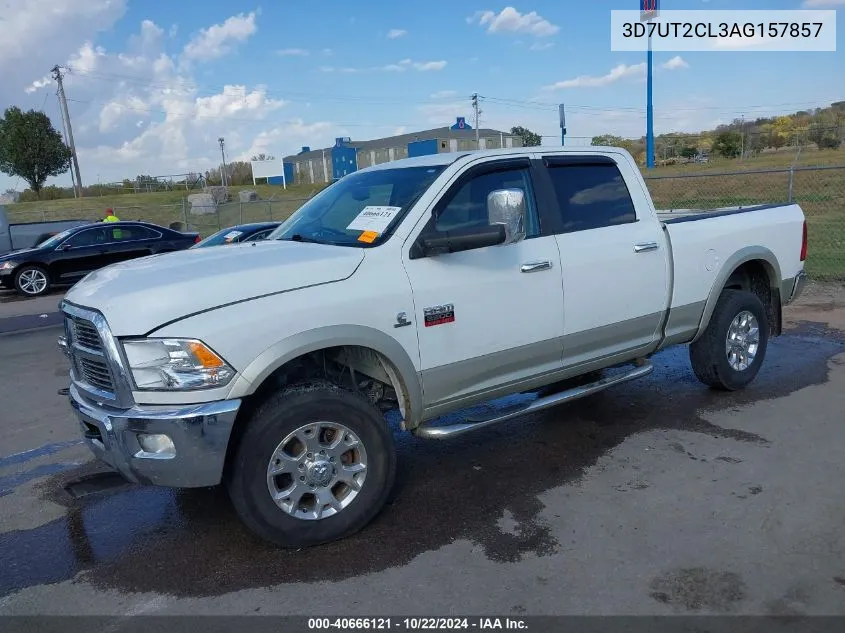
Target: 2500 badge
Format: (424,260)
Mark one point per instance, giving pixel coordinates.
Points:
(438,315)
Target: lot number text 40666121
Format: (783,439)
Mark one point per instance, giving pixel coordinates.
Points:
(419,623)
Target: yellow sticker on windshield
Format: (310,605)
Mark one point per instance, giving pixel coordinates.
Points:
(368,236)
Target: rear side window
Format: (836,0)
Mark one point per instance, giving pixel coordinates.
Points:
(591,196)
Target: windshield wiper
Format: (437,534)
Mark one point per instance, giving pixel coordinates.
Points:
(296,237)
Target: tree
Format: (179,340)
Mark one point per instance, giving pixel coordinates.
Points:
(529,138)
(728,144)
(30,147)
(262,156)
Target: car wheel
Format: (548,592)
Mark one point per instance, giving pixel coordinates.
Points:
(729,354)
(32,281)
(315,464)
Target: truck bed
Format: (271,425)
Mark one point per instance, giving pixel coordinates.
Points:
(674,216)
(701,249)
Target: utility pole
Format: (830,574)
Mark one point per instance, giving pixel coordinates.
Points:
(477,115)
(742,137)
(562,117)
(64,130)
(57,75)
(223,155)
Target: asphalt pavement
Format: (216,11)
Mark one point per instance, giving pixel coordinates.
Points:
(18,312)
(658,496)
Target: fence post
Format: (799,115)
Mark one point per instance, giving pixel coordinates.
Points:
(185,215)
(241,212)
(791,176)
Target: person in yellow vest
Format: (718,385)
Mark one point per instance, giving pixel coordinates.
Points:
(117,234)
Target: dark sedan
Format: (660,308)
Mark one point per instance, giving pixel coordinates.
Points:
(240,233)
(68,256)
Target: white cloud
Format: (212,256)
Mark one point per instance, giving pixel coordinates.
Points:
(328,52)
(288,136)
(293,52)
(541,46)
(676,62)
(818,4)
(399,67)
(39,33)
(443,113)
(511,20)
(139,110)
(425,66)
(219,40)
(392,34)
(621,71)
(443,94)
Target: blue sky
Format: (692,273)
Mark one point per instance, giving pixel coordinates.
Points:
(153,84)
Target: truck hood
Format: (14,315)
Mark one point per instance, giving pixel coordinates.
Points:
(142,294)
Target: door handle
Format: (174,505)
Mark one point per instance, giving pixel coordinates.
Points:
(535,267)
(645,247)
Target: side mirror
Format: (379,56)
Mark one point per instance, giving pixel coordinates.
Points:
(507,207)
(458,240)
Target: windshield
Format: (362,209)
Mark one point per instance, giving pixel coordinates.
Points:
(360,209)
(54,241)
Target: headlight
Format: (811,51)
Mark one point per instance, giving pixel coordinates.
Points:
(7,265)
(175,365)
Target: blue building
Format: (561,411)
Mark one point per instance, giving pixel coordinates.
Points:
(331,163)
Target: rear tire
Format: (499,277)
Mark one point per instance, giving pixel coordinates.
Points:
(315,488)
(32,281)
(731,350)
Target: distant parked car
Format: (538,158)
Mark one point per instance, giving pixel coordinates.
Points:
(240,233)
(14,237)
(68,256)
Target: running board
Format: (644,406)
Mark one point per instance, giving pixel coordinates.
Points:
(443,432)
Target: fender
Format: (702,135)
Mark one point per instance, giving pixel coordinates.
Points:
(302,343)
(747,254)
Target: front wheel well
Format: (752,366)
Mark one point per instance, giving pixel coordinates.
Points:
(758,277)
(352,367)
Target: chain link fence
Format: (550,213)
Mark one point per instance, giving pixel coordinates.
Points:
(820,191)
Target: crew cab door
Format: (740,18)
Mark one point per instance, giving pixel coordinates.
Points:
(492,317)
(80,254)
(130,241)
(614,257)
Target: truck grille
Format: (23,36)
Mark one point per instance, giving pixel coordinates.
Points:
(91,370)
(86,334)
(96,373)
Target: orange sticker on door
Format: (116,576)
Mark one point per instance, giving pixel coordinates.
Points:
(368,236)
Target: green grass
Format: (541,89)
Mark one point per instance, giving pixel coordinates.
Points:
(164,207)
(821,195)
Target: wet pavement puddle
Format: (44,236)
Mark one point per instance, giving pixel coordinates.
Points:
(189,542)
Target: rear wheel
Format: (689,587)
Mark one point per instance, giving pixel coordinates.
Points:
(32,281)
(315,464)
(731,351)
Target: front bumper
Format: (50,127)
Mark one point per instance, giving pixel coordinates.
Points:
(7,278)
(200,434)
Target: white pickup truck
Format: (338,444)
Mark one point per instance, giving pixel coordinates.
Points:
(426,285)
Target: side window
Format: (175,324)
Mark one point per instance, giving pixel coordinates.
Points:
(257,237)
(89,237)
(591,196)
(466,208)
(127,233)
